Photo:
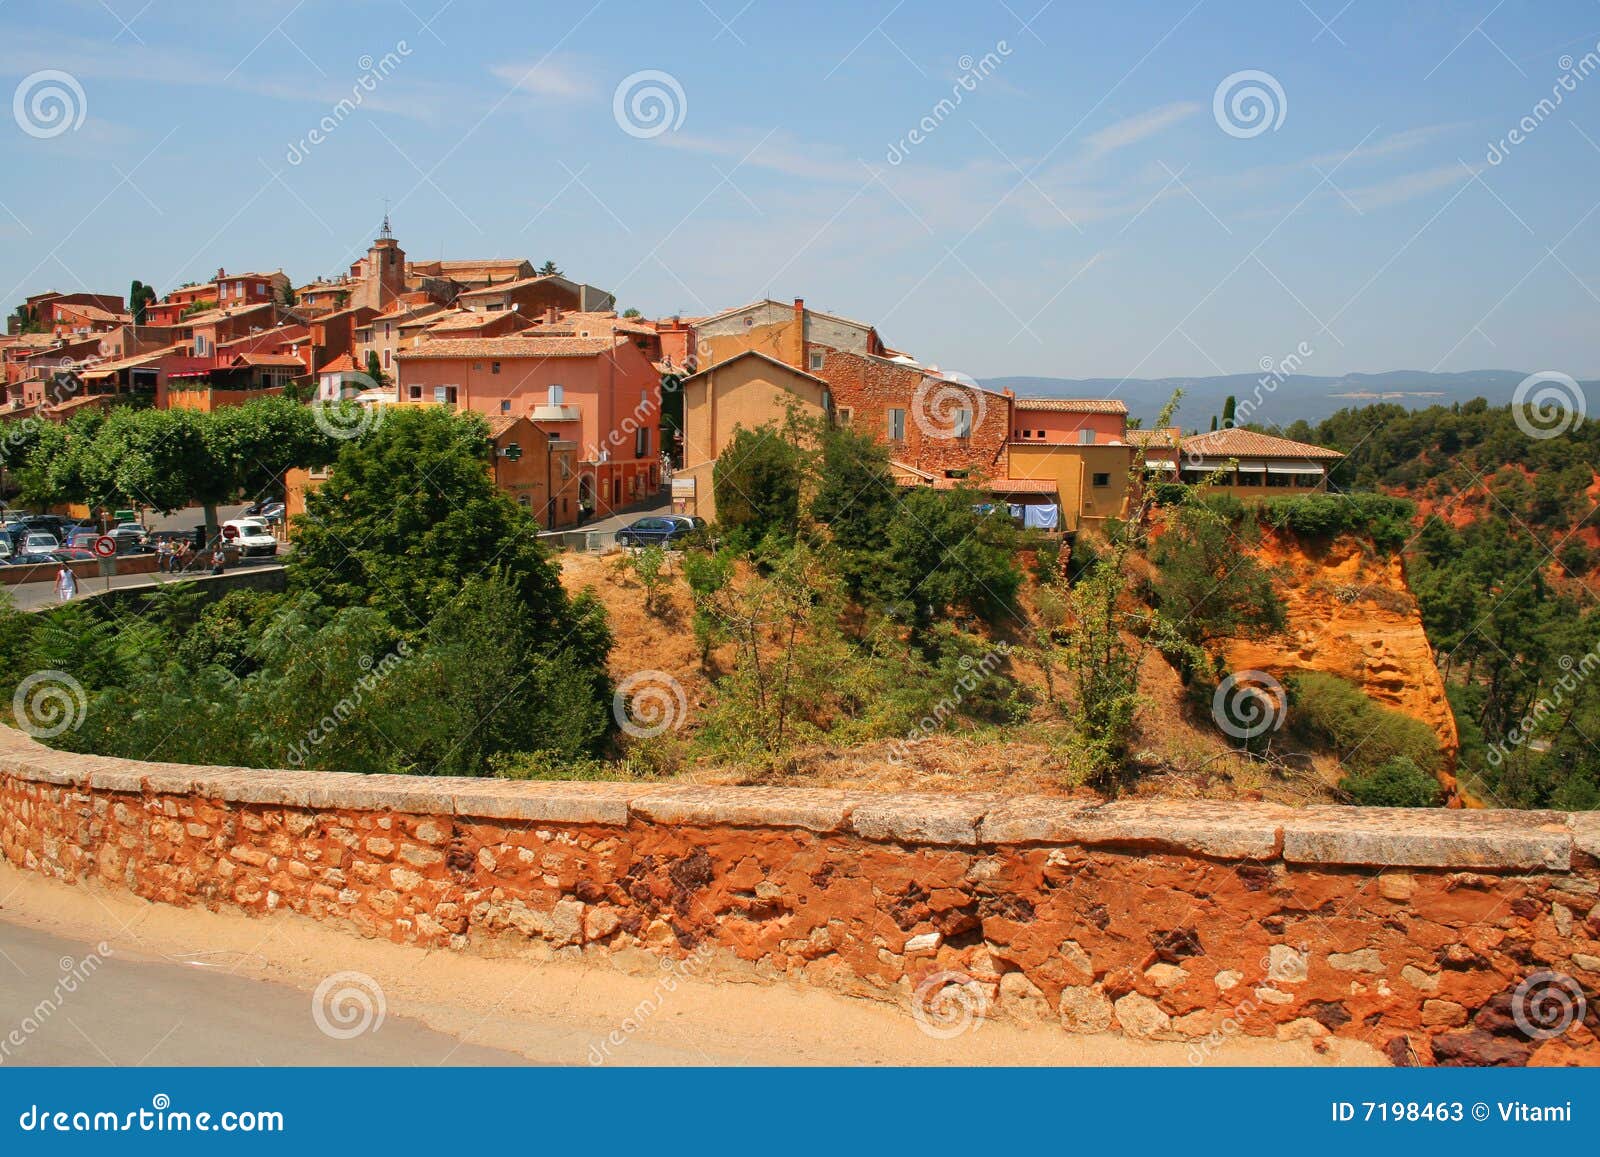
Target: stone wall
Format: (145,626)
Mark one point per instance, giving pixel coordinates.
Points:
(1174,920)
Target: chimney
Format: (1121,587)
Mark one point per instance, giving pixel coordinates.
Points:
(221,273)
(552,314)
(799,362)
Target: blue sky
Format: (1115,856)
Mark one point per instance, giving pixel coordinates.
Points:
(1081,211)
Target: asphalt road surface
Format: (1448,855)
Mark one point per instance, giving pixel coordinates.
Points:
(32,596)
(127,1012)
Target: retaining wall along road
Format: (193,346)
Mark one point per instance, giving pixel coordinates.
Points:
(1439,936)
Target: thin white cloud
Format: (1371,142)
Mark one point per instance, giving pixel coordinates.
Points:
(1134,129)
(1400,142)
(558,79)
(1410,186)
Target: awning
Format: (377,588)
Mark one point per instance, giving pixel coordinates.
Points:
(1252,467)
(1160,463)
(1295,468)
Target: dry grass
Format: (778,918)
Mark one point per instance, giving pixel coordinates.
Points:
(1182,756)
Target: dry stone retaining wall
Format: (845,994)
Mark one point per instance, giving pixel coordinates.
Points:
(1174,920)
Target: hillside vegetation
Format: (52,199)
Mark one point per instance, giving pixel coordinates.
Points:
(1504,558)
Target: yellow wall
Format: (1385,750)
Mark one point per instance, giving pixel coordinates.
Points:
(781,341)
(1072,468)
(747,394)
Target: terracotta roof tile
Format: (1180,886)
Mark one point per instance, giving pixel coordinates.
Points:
(1073,405)
(510,347)
(1237,443)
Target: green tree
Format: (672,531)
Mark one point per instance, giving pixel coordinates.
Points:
(856,497)
(140,297)
(939,554)
(375,369)
(409,513)
(1229,407)
(756,480)
(549,269)
(1205,582)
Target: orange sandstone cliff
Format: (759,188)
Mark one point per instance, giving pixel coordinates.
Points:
(1352,614)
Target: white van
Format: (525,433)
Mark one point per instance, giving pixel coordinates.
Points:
(250,535)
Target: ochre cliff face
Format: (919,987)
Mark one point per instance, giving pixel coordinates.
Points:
(1351,614)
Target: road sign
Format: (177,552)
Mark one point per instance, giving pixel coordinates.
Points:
(230,532)
(105,546)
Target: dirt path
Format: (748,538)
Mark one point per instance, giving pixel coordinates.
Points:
(550,1011)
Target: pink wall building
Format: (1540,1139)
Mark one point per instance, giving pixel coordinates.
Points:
(600,392)
(1069,421)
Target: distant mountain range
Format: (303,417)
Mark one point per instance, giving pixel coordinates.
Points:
(1296,396)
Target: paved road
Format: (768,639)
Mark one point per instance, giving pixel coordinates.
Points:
(157,1012)
(32,596)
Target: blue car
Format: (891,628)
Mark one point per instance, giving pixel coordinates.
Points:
(659,530)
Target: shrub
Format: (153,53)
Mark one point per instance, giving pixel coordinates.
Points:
(1387,521)
(1334,714)
(1396,783)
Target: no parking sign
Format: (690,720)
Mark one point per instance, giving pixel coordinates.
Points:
(105,546)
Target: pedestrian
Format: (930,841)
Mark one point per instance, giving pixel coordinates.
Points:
(163,556)
(66,583)
(218,559)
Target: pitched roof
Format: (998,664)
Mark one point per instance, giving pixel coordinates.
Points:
(1240,443)
(343,364)
(459,319)
(572,323)
(500,423)
(751,354)
(1018,486)
(1072,405)
(106,369)
(510,347)
(269,360)
(502,286)
(212,315)
(718,316)
(94,313)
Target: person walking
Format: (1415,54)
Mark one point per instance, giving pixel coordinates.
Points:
(164,556)
(218,560)
(66,583)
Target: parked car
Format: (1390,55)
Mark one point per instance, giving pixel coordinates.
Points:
(659,530)
(39,542)
(250,535)
(271,512)
(73,554)
(33,559)
(131,538)
(52,524)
